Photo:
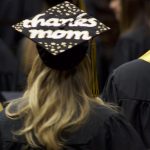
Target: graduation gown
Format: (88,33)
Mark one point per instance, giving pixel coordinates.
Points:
(129,87)
(131,45)
(104,130)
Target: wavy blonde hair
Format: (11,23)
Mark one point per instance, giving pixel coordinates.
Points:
(55,102)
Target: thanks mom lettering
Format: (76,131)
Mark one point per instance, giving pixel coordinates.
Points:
(80,21)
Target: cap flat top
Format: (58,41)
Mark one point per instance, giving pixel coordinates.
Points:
(61,27)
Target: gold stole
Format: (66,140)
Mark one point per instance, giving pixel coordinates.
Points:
(146,57)
(1,107)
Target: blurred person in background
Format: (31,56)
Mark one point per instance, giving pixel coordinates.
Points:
(12,12)
(8,71)
(134,24)
(8,68)
(129,87)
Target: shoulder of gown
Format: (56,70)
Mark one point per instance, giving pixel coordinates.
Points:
(8,141)
(119,135)
(129,81)
(105,129)
(129,86)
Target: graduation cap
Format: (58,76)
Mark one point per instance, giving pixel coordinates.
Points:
(61,33)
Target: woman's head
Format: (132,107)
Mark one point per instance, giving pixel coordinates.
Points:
(115,5)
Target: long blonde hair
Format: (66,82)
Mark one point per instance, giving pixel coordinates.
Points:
(56,102)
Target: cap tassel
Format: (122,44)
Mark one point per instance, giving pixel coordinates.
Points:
(82,5)
(94,84)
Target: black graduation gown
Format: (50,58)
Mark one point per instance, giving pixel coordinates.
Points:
(131,46)
(104,130)
(129,87)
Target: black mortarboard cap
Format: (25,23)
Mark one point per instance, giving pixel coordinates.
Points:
(62,34)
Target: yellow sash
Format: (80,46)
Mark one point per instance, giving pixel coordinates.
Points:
(146,57)
(1,107)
